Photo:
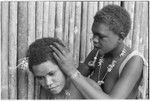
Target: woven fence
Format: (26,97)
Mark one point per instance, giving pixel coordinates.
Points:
(22,22)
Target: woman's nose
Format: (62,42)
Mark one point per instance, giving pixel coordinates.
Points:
(95,39)
(48,80)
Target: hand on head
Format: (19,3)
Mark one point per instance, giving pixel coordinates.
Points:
(64,58)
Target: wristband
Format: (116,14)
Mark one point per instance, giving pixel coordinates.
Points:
(75,74)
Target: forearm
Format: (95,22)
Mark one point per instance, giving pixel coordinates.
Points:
(87,89)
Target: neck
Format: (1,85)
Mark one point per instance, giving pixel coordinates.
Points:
(67,87)
(116,51)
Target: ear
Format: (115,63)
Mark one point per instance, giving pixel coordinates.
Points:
(122,35)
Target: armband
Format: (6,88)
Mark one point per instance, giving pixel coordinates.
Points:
(75,75)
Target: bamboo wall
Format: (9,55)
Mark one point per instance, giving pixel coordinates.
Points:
(23,22)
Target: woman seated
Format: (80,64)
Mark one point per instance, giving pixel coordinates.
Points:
(43,65)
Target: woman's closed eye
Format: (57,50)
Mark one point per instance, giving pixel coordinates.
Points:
(51,73)
(39,77)
(96,34)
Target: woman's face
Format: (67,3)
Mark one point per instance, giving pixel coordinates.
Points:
(50,76)
(103,38)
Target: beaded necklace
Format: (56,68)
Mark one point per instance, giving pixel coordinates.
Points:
(109,68)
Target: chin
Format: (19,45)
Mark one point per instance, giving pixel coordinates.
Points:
(56,91)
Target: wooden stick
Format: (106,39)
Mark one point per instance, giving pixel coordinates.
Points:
(136,28)
(31,38)
(100,5)
(95,9)
(92,8)
(59,20)
(112,2)
(143,42)
(117,3)
(39,19)
(13,51)
(83,32)
(4,68)
(51,22)
(144,27)
(39,32)
(22,48)
(77,32)
(66,23)
(129,6)
(0,45)
(45,19)
(71,26)
(31,22)
(148,49)
(146,38)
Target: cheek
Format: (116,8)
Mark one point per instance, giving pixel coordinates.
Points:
(108,45)
(61,78)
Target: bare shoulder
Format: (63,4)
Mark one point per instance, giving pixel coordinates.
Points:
(134,66)
(129,77)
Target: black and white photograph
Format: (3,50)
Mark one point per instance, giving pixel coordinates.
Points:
(65,49)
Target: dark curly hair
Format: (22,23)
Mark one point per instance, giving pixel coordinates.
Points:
(116,17)
(40,51)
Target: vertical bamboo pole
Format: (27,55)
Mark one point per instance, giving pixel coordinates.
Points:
(117,3)
(45,19)
(100,5)
(149,49)
(22,47)
(31,38)
(146,38)
(4,72)
(51,22)
(59,20)
(83,31)
(66,23)
(136,28)
(95,9)
(112,2)
(92,8)
(142,41)
(144,27)
(38,30)
(0,49)
(71,26)
(77,32)
(107,3)
(129,6)
(89,25)
(13,51)
(39,19)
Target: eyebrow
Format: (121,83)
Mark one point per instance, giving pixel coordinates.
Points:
(46,74)
(100,34)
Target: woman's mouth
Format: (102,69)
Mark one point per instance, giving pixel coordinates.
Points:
(53,88)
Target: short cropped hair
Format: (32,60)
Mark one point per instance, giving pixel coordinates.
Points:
(116,17)
(40,51)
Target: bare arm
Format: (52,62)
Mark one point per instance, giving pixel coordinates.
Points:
(123,87)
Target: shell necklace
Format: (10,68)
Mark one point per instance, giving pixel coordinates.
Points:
(110,66)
